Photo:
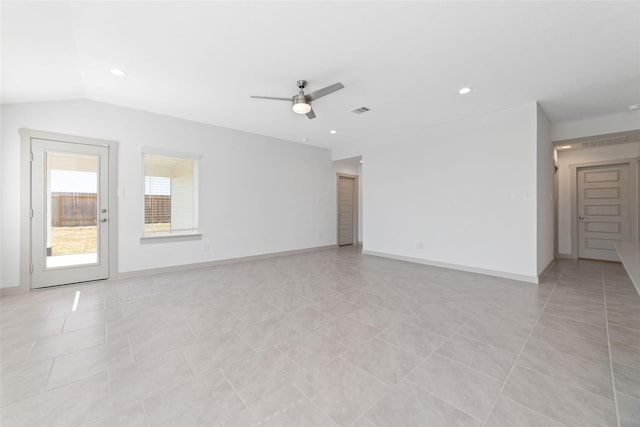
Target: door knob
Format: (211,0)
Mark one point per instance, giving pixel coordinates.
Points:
(103,220)
(580,217)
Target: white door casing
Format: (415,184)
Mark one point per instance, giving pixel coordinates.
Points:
(26,211)
(347,209)
(604,210)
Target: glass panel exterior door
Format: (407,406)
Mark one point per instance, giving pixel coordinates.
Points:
(70,204)
(72,209)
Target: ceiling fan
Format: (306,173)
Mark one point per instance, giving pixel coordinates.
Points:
(301,102)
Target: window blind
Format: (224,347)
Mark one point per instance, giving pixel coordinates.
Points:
(170,194)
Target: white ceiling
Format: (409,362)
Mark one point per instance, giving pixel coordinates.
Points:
(404,60)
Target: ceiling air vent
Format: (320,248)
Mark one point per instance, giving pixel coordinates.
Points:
(361,110)
(604,142)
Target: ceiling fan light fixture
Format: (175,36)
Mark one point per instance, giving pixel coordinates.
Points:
(300,105)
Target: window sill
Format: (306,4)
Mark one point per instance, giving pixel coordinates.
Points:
(170,238)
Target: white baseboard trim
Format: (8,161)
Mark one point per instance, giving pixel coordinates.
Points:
(486,272)
(566,256)
(150,271)
(207,264)
(12,290)
(629,254)
(545,270)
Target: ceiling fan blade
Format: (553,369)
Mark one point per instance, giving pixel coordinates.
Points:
(271,97)
(324,91)
(311,114)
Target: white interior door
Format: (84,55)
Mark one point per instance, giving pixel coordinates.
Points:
(346,210)
(603,210)
(70,208)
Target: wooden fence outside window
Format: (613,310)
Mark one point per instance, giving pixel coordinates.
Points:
(81,209)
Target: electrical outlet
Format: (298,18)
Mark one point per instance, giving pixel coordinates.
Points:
(420,245)
(205,247)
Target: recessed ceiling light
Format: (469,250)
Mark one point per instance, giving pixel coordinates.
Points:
(360,161)
(564,147)
(634,107)
(118,72)
(465,90)
(332,131)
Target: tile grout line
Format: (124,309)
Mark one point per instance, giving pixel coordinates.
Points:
(244,341)
(406,377)
(397,347)
(613,378)
(524,344)
(109,392)
(33,345)
(574,319)
(46,382)
(233,388)
(314,404)
(440,398)
(144,412)
(378,400)
(393,387)
(471,368)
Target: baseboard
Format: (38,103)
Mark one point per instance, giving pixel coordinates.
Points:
(545,270)
(13,290)
(565,256)
(150,271)
(629,254)
(469,269)
(207,264)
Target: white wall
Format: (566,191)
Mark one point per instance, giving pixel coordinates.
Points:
(545,171)
(462,193)
(257,195)
(586,155)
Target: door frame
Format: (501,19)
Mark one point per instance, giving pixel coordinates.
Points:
(355,206)
(26,135)
(632,163)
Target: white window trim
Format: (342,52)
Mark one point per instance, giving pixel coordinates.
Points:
(197,235)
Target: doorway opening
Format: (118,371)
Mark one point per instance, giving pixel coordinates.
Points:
(68,232)
(349,201)
(596,195)
(347,209)
(604,207)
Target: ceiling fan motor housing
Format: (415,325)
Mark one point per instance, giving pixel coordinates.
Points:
(298,99)
(300,104)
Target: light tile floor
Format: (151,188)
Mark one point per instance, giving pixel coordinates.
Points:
(326,338)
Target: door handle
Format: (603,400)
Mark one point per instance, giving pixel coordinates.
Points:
(103,220)
(580,217)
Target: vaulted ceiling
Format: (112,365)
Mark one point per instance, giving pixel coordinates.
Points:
(404,60)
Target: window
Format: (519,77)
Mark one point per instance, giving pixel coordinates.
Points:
(170,194)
